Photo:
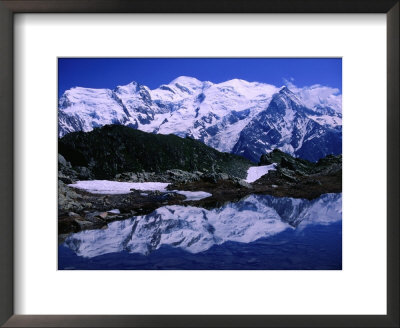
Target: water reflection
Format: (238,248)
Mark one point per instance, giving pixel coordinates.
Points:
(195,230)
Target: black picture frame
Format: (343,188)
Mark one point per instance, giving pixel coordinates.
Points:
(10,7)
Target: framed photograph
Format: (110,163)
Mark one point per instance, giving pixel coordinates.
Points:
(214,164)
(210,174)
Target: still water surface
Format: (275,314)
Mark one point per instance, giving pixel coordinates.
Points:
(259,232)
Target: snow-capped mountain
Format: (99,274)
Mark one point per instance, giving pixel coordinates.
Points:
(289,125)
(220,115)
(197,229)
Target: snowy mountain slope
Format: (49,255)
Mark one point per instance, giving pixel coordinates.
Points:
(196,229)
(289,125)
(215,114)
(84,109)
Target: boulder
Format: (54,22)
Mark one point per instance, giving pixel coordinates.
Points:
(83,173)
(242,183)
(223,176)
(103,215)
(83,224)
(73,214)
(95,218)
(62,161)
(67,199)
(214,177)
(64,178)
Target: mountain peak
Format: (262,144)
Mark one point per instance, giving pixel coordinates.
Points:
(285,90)
(129,88)
(186,80)
(288,94)
(224,115)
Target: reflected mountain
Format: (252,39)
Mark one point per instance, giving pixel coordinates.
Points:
(196,230)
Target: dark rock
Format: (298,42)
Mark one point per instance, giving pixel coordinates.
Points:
(83,173)
(65,179)
(214,177)
(62,161)
(95,218)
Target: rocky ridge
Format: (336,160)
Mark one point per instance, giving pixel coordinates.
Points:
(116,149)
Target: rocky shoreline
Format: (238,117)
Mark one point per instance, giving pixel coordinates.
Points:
(80,210)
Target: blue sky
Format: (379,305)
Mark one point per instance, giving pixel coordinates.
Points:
(110,72)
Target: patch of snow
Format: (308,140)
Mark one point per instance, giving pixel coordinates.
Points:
(256,172)
(115,211)
(327,120)
(117,187)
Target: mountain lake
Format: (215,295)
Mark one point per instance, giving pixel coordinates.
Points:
(259,232)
